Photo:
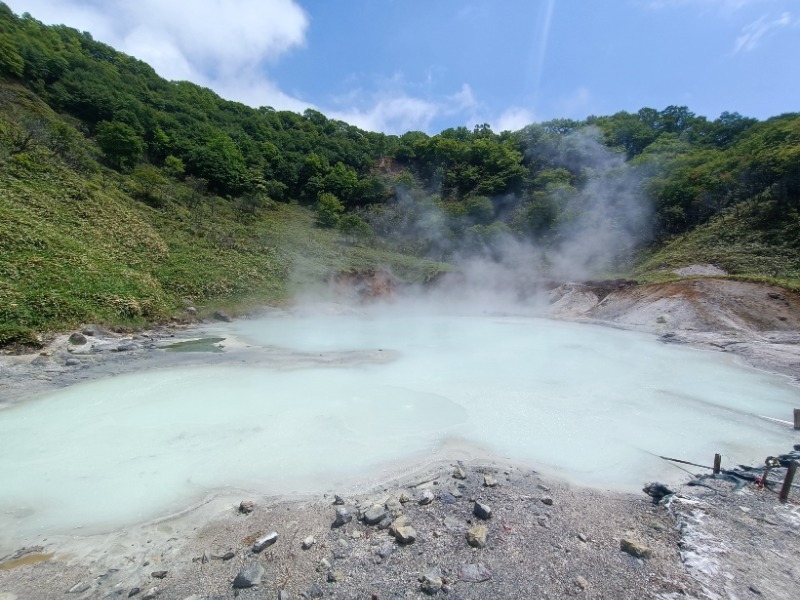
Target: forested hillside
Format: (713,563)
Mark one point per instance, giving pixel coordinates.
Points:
(122,193)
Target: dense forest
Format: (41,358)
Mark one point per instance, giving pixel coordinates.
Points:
(193,174)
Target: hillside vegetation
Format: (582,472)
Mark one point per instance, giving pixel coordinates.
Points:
(122,193)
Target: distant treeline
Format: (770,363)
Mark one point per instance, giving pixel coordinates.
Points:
(527,183)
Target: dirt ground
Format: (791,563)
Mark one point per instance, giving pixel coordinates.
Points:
(545,538)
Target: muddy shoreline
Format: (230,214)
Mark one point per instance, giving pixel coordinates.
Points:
(570,547)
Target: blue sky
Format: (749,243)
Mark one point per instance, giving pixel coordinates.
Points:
(400,65)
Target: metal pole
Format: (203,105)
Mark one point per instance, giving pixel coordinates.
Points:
(787,483)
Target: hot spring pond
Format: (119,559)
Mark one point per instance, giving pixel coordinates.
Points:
(591,404)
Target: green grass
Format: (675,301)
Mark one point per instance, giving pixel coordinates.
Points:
(77,249)
(750,242)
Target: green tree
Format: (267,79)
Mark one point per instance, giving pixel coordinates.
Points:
(328,210)
(120,143)
(11,63)
(354,228)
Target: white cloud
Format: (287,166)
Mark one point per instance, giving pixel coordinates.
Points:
(754,33)
(513,119)
(392,114)
(221,44)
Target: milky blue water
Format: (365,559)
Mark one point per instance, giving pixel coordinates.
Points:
(590,404)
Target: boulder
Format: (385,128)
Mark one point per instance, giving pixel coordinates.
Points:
(635,548)
(343,516)
(489,480)
(482,511)
(426,497)
(77,339)
(246,507)
(374,514)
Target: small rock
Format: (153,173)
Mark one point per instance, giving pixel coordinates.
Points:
(338,500)
(335,576)
(635,549)
(405,535)
(404,498)
(246,507)
(543,522)
(476,573)
(249,576)
(343,516)
(547,500)
(453,524)
(476,536)
(151,594)
(72,362)
(89,330)
(222,316)
(581,582)
(386,550)
(393,504)
(489,480)
(374,514)
(482,511)
(158,574)
(426,497)
(583,537)
(755,590)
(227,556)
(657,491)
(385,523)
(77,339)
(191,310)
(264,541)
(283,595)
(133,592)
(315,591)
(456,492)
(308,542)
(79,588)
(126,347)
(459,473)
(432,581)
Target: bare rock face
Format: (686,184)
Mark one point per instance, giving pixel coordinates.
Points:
(364,286)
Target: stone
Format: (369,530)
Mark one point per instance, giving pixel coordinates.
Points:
(158,574)
(335,576)
(404,498)
(343,516)
(308,542)
(191,310)
(459,473)
(482,511)
(489,480)
(72,362)
(583,537)
(338,500)
(455,492)
(126,347)
(547,500)
(385,523)
(89,330)
(134,591)
(432,581)
(393,504)
(221,315)
(315,591)
(246,507)
(228,555)
(426,497)
(476,573)
(283,595)
(386,550)
(151,594)
(453,524)
(250,576)
(79,588)
(405,534)
(265,541)
(635,549)
(581,582)
(374,514)
(476,536)
(657,491)
(77,339)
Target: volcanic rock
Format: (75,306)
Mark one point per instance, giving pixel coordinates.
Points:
(489,480)
(459,473)
(249,576)
(432,581)
(635,549)
(657,491)
(246,507)
(343,516)
(77,339)
(374,514)
(308,542)
(264,541)
(474,573)
(476,536)
(482,511)
(426,497)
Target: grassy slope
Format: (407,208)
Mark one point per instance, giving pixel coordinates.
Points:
(75,248)
(748,242)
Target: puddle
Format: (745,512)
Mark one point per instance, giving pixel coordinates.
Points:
(206,344)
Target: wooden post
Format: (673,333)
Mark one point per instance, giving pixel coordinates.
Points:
(787,483)
(717,463)
(797,418)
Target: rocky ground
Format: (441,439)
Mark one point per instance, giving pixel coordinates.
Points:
(544,538)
